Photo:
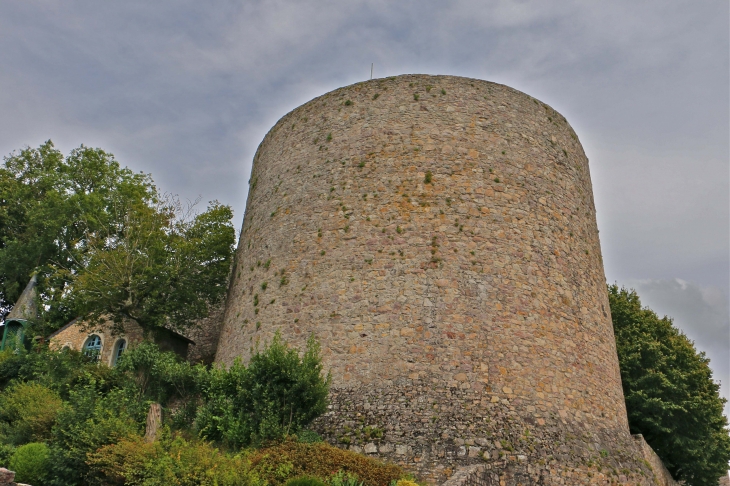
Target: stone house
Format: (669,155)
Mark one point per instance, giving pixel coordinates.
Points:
(107,346)
(198,345)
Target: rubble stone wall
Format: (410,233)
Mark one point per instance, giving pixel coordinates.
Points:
(75,334)
(662,475)
(437,235)
(205,334)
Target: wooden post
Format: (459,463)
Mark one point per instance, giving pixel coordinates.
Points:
(154,421)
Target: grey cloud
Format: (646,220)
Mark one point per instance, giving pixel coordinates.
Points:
(186,90)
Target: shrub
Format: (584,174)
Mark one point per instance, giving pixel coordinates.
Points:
(341,478)
(406,482)
(31,463)
(278,394)
(161,375)
(305,481)
(27,412)
(6,452)
(10,365)
(91,420)
(319,460)
(171,460)
(60,371)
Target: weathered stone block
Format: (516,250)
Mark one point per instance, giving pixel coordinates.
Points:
(6,476)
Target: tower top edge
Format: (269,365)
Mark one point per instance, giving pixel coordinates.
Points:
(409,78)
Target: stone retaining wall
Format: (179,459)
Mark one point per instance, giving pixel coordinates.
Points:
(522,474)
(662,475)
(7,478)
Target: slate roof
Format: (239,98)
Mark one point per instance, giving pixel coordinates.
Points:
(26,308)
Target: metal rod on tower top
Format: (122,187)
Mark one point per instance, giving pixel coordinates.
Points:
(371,70)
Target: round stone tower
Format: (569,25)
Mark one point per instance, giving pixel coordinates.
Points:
(437,235)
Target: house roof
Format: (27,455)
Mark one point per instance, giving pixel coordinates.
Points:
(26,308)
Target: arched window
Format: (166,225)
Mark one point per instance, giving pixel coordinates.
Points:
(119,348)
(92,347)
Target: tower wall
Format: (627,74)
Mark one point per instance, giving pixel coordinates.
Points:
(463,319)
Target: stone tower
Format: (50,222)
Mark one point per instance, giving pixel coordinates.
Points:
(437,235)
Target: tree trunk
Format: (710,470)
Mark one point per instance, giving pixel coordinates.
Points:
(154,421)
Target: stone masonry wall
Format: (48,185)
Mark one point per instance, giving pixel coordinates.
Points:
(75,334)
(205,334)
(662,475)
(437,235)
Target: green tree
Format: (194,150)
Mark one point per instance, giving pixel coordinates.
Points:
(31,463)
(162,265)
(671,397)
(49,204)
(105,243)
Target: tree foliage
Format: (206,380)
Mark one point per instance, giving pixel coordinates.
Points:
(163,265)
(49,204)
(105,243)
(671,397)
(27,412)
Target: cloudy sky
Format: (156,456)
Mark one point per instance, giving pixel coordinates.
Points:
(187,89)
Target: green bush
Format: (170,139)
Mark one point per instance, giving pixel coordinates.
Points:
(59,371)
(305,481)
(290,459)
(278,394)
(88,421)
(27,412)
(31,463)
(171,460)
(161,375)
(6,452)
(341,478)
(309,437)
(10,366)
